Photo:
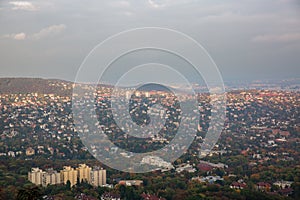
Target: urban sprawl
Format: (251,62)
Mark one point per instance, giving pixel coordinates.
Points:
(258,149)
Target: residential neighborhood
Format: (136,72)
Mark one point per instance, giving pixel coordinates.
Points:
(257,151)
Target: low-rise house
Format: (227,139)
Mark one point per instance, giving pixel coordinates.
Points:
(30,151)
(185,167)
(151,197)
(263,186)
(286,191)
(237,185)
(283,184)
(11,153)
(208,179)
(84,197)
(131,182)
(110,196)
(205,167)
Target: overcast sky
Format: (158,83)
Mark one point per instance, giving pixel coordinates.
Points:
(248,39)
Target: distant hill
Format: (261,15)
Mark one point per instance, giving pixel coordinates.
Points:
(153,87)
(54,86)
(35,85)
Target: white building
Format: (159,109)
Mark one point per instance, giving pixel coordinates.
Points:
(51,177)
(40,177)
(98,177)
(84,172)
(69,174)
(157,161)
(11,153)
(283,184)
(185,167)
(35,176)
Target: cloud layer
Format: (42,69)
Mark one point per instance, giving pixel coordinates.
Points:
(49,31)
(286,37)
(43,33)
(23,5)
(15,36)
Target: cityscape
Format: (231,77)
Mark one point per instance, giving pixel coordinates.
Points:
(257,152)
(150,100)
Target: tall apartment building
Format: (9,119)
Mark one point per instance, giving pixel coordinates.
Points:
(98,177)
(36,176)
(51,177)
(95,176)
(84,172)
(44,178)
(69,173)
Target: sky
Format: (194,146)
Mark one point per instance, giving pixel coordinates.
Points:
(247,39)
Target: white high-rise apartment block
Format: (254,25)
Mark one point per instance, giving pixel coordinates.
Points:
(44,178)
(51,177)
(95,176)
(35,176)
(98,177)
(84,172)
(147,94)
(69,173)
(128,95)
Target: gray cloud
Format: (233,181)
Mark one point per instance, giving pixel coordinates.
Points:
(247,39)
(119,4)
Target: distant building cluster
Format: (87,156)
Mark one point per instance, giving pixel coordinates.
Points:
(157,161)
(131,182)
(44,178)
(95,176)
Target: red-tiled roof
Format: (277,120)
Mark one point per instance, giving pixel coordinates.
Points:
(204,167)
(263,184)
(286,191)
(240,185)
